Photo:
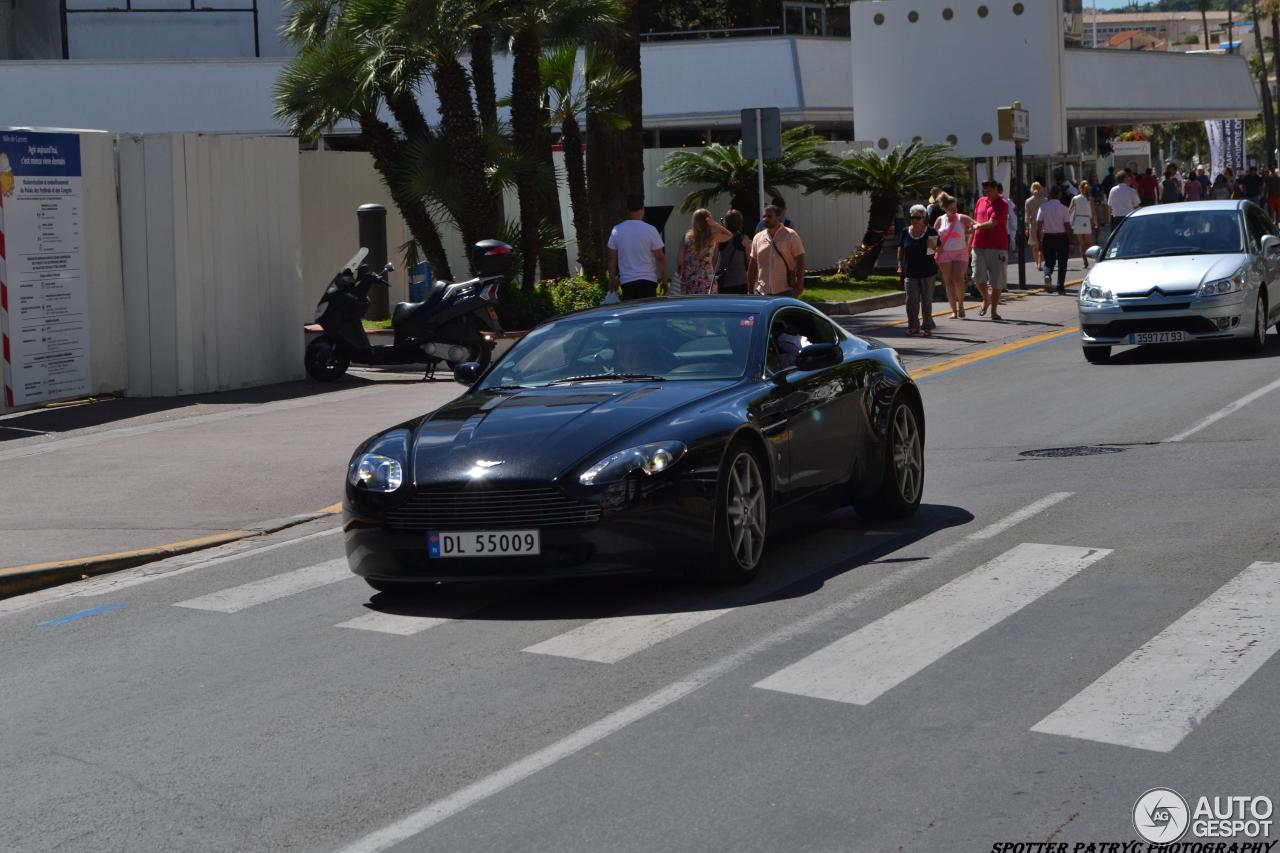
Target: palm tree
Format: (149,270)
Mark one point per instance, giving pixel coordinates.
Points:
(1260,59)
(903,172)
(533,25)
(323,86)
(569,96)
(721,169)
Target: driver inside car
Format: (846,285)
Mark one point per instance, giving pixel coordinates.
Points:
(787,344)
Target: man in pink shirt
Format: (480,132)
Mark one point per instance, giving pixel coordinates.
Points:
(991,247)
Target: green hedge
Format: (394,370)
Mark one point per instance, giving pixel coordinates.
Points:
(520,310)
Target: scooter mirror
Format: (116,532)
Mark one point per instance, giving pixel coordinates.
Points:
(388,268)
(467,373)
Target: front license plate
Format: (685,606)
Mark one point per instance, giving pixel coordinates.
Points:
(1157,337)
(484,543)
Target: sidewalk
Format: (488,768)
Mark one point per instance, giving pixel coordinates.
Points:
(104,485)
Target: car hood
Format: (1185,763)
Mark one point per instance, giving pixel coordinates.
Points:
(537,434)
(1137,276)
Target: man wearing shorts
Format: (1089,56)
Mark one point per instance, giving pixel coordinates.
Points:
(991,247)
(1272,179)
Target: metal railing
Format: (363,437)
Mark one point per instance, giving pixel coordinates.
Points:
(734,32)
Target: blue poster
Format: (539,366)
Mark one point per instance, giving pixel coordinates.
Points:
(44,300)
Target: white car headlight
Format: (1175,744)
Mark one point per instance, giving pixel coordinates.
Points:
(380,468)
(1091,294)
(648,458)
(1223,285)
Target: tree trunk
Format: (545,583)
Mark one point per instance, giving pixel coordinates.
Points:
(525,116)
(615,158)
(387,151)
(1204,22)
(482,78)
(590,257)
(460,128)
(1268,115)
(554,261)
(879,220)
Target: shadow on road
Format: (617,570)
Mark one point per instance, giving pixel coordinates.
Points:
(1208,351)
(799,562)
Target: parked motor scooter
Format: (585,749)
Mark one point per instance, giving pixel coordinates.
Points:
(455,323)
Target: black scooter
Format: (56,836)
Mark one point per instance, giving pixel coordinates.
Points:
(456,323)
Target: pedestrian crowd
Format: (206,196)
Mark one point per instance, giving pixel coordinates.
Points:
(713,257)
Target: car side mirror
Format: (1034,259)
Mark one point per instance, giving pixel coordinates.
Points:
(1270,245)
(1093,253)
(818,356)
(467,373)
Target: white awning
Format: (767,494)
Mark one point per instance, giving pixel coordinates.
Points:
(1129,86)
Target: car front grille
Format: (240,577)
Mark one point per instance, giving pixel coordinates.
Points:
(1159,306)
(490,507)
(1117,328)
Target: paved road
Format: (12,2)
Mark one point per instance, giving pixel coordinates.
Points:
(1048,639)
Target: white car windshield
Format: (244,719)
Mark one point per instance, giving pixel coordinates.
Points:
(602,347)
(1195,232)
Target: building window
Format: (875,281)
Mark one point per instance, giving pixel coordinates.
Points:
(809,18)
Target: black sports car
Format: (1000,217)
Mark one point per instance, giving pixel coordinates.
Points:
(639,437)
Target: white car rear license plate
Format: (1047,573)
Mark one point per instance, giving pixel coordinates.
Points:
(484,543)
(1157,337)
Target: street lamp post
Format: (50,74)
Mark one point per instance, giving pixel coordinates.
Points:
(1013,124)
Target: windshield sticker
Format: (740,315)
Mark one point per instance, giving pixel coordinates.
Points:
(747,321)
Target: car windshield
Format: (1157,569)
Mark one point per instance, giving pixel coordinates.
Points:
(1194,232)
(650,346)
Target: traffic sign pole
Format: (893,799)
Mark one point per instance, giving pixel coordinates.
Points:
(1014,124)
(760,163)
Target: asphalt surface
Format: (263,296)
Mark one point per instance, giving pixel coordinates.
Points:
(1048,639)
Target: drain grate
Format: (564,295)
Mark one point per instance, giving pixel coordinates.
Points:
(1063,452)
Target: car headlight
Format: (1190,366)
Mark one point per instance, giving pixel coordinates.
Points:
(648,458)
(1223,285)
(380,467)
(1092,294)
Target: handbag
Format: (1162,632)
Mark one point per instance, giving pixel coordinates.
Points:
(611,298)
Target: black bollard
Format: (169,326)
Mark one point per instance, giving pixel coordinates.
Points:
(372,219)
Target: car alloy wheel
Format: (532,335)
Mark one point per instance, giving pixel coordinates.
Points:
(908,455)
(746,511)
(1257,342)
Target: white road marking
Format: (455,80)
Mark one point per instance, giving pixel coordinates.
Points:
(393,623)
(116,581)
(1162,692)
(613,638)
(500,780)
(237,598)
(1226,410)
(864,665)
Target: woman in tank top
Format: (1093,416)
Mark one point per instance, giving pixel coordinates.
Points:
(954,232)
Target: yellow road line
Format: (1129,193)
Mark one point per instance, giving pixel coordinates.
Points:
(983,355)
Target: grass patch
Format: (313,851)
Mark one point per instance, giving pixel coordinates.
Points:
(377,324)
(841,288)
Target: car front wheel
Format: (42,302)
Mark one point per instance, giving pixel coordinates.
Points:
(742,517)
(1257,342)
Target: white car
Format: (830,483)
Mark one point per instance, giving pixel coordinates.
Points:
(1176,273)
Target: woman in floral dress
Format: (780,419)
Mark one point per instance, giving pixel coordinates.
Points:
(696,259)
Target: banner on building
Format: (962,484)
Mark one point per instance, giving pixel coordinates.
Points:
(44,299)
(1226,145)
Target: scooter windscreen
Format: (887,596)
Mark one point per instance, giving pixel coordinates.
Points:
(354,263)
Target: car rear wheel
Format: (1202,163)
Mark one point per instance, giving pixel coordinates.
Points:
(1257,342)
(903,483)
(742,517)
(324,360)
(1097,355)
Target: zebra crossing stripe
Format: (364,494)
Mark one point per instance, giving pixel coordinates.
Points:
(1163,691)
(238,598)
(613,638)
(864,665)
(393,623)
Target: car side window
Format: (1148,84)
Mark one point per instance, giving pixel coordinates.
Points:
(1259,226)
(791,330)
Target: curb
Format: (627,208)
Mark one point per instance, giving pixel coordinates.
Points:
(37,576)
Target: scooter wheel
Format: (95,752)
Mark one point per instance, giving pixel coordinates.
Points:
(324,361)
(482,352)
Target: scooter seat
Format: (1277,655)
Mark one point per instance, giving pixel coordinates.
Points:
(404,310)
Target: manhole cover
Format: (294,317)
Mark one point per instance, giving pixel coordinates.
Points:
(1061,452)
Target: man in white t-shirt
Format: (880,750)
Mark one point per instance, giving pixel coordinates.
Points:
(637,257)
(1123,199)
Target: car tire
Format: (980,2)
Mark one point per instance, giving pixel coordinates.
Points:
(742,517)
(324,360)
(902,485)
(1097,355)
(1257,342)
